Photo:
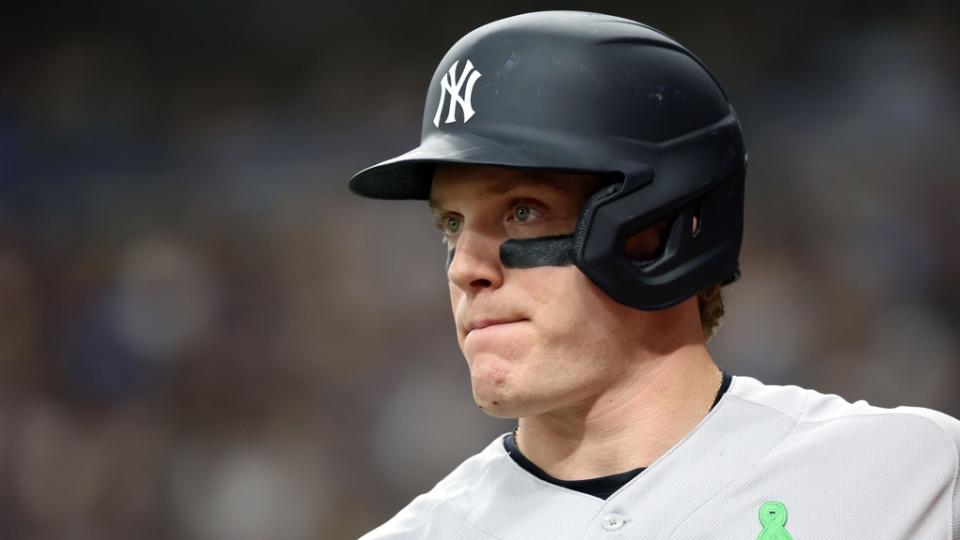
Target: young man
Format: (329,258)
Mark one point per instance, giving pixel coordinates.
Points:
(587,174)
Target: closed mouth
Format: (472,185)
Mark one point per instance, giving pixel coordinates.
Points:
(478,325)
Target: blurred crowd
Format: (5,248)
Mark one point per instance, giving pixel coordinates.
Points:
(204,336)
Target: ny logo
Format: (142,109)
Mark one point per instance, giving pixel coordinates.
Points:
(450,84)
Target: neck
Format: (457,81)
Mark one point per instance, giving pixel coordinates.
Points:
(629,425)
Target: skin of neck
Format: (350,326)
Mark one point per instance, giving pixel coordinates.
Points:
(630,424)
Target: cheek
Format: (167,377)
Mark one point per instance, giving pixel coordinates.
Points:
(456,296)
(573,311)
(560,298)
(565,288)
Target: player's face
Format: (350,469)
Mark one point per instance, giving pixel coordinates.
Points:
(535,339)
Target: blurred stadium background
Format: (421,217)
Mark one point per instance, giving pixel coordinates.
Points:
(203,336)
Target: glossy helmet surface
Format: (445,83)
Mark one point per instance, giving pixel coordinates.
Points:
(587,92)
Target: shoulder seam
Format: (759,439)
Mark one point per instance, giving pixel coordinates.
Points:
(460,512)
(452,501)
(774,409)
(806,399)
(455,501)
(954,525)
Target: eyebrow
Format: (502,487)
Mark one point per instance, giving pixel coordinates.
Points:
(507,185)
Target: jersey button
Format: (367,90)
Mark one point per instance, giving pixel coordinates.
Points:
(613,522)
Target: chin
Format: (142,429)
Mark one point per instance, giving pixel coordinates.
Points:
(497,385)
(500,409)
(494,400)
(496,411)
(507,408)
(500,402)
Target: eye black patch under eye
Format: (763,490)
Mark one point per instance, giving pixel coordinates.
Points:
(533,252)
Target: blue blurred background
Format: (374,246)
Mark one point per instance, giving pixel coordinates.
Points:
(204,336)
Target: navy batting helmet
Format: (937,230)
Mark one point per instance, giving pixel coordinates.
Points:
(586,92)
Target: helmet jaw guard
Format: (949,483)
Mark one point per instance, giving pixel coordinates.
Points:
(690,261)
(591,93)
(702,179)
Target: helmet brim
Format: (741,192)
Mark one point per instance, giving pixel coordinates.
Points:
(409,175)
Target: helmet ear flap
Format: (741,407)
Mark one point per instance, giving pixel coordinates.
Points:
(680,232)
(673,231)
(699,247)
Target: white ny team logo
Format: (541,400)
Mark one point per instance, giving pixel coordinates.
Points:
(450,84)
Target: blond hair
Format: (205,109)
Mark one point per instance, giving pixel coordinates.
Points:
(710,302)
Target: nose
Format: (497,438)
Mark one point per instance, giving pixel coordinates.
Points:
(474,264)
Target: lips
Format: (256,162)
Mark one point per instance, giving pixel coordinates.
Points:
(477,324)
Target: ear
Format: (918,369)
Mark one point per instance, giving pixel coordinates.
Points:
(647,244)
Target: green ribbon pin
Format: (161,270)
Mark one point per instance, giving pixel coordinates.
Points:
(773,517)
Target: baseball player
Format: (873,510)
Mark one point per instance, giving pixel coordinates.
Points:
(587,174)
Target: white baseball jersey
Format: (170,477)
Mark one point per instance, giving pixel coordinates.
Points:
(767,463)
